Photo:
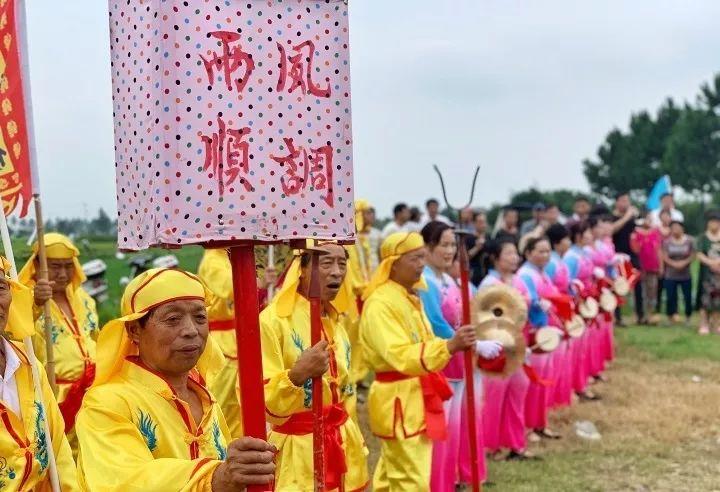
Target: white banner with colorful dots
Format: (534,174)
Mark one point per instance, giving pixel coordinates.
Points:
(232,120)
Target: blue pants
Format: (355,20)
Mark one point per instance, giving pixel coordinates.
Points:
(671,287)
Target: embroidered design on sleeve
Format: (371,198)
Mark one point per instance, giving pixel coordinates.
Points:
(148,429)
(218,442)
(41,452)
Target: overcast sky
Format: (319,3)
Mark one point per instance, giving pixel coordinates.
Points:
(524,89)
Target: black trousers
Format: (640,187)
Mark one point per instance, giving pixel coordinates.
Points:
(671,289)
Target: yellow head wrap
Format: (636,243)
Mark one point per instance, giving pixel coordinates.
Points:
(286,297)
(20,315)
(145,292)
(361,206)
(394,246)
(57,247)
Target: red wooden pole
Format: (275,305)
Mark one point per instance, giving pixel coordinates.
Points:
(469,364)
(317,384)
(247,332)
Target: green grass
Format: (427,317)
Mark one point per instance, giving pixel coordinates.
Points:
(671,343)
(106,249)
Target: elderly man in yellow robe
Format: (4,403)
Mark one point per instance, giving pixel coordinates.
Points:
(290,362)
(406,398)
(215,271)
(149,423)
(25,462)
(74,322)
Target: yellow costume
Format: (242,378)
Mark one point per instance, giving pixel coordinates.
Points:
(134,431)
(216,271)
(24,458)
(285,330)
(359,273)
(73,337)
(405,400)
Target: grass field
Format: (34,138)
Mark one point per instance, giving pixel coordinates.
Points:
(659,419)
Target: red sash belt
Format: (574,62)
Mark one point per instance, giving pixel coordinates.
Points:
(224,325)
(70,406)
(435,390)
(301,424)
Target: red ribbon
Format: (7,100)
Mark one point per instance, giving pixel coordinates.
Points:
(435,390)
(534,377)
(334,416)
(563,305)
(493,365)
(70,406)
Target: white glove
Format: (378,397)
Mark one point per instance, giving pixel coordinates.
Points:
(598,273)
(488,349)
(545,305)
(620,258)
(578,286)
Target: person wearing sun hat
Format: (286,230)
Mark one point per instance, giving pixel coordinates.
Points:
(149,421)
(289,364)
(406,399)
(23,447)
(74,322)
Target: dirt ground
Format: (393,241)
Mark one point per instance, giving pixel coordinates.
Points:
(660,426)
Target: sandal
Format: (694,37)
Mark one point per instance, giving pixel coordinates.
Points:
(548,434)
(589,396)
(521,456)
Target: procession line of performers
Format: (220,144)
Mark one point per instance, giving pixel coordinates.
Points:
(150,401)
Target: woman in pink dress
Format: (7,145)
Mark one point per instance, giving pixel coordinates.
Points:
(442,303)
(541,289)
(504,409)
(580,268)
(557,270)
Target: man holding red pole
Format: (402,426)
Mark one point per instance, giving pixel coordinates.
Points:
(290,362)
(406,399)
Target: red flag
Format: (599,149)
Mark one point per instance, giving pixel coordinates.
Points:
(15,175)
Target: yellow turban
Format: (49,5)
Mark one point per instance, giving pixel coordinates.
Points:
(20,315)
(145,292)
(286,297)
(392,249)
(361,206)
(57,247)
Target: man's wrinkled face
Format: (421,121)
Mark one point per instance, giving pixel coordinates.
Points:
(408,269)
(172,337)
(332,270)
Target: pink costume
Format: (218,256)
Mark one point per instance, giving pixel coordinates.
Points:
(580,267)
(539,396)
(504,409)
(451,458)
(602,347)
(561,394)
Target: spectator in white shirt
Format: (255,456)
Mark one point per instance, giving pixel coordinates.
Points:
(667,203)
(432,213)
(401,218)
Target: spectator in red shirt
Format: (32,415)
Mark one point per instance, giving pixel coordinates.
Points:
(646,243)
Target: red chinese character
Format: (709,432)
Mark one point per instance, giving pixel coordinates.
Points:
(231,60)
(316,169)
(227,155)
(300,70)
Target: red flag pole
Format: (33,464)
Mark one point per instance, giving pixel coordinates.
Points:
(469,364)
(247,332)
(317,384)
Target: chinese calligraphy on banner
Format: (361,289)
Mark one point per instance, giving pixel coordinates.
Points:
(232,120)
(15,177)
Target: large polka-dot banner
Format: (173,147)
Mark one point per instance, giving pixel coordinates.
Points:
(232,121)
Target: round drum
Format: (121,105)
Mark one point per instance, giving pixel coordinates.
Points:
(608,301)
(545,339)
(575,327)
(589,308)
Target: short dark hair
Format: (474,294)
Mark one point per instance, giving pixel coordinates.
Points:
(621,194)
(666,194)
(582,198)
(578,229)
(532,243)
(432,232)
(400,207)
(432,201)
(493,249)
(556,233)
(549,205)
(678,222)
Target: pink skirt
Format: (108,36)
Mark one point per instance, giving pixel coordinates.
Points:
(536,402)
(504,412)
